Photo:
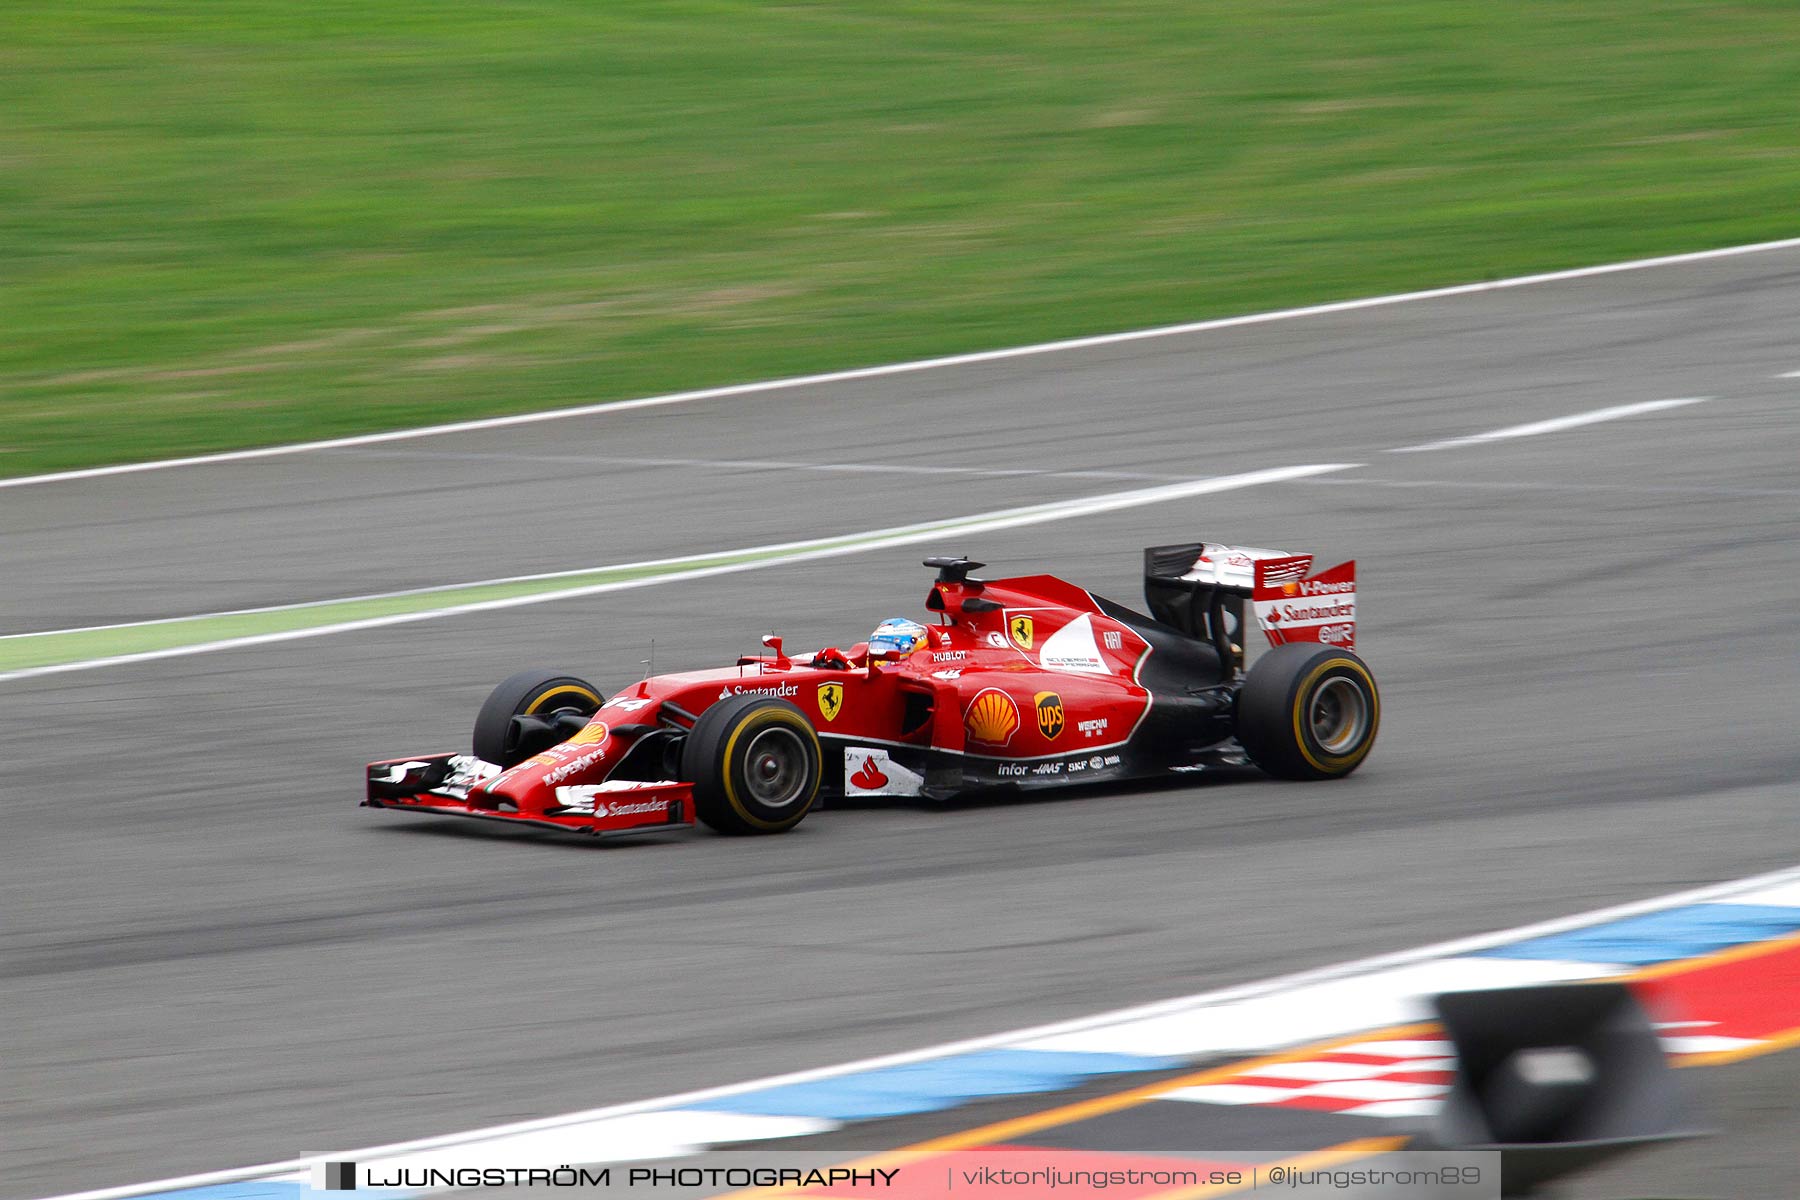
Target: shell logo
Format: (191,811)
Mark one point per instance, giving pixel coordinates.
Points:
(992,717)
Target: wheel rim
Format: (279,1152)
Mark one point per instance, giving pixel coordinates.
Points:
(1338,715)
(775,768)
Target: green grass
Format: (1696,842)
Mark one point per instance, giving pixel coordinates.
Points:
(252,222)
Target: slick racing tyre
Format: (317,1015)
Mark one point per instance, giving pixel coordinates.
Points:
(530,712)
(1308,712)
(755,765)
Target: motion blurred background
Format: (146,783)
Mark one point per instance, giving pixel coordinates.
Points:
(240,223)
(243,223)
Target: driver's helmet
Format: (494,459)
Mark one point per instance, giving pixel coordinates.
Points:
(897,636)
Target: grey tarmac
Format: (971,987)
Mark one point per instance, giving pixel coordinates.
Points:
(1588,644)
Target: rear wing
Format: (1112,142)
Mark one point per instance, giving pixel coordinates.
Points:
(1294,607)
(1200,588)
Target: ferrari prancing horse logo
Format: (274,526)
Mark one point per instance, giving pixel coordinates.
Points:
(1020,627)
(831,700)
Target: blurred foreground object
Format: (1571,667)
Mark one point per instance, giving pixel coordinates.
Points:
(1557,1078)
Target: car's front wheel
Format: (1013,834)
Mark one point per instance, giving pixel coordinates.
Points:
(530,712)
(1308,712)
(755,764)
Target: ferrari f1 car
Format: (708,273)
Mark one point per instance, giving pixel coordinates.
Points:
(1029,682)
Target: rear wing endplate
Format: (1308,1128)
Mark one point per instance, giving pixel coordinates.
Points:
(1294,607)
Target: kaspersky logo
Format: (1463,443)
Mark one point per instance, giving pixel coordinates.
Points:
(334,1177)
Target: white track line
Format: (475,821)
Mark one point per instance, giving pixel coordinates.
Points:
(904,368)
(792,552)
(760,464)
(1553,425)
(1548,426)
(1789,375)
(665,567)
(1229,995)
(1496,485)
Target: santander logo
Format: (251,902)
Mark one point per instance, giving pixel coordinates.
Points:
(868,776)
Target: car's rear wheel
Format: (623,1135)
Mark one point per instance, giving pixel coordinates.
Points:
(1308,712)
(755,764)
(530,712)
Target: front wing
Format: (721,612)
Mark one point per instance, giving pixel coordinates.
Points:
(440,785)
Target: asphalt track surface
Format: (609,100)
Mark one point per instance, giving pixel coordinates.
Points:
(1588,643)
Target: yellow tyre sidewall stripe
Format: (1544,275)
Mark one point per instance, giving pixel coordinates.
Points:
(758,722)
(538,702)
(1343,764)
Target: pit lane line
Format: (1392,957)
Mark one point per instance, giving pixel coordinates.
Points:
(1553,425)
(1596,416)
(760,464)
(905,368)
(640,575)
(27,648)
(1353,998)
(1622,489)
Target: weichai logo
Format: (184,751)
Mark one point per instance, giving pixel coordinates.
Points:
(1049,714)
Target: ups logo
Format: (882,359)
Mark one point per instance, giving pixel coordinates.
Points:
(1049,715)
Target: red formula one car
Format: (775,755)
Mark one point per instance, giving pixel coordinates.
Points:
(1028,682)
